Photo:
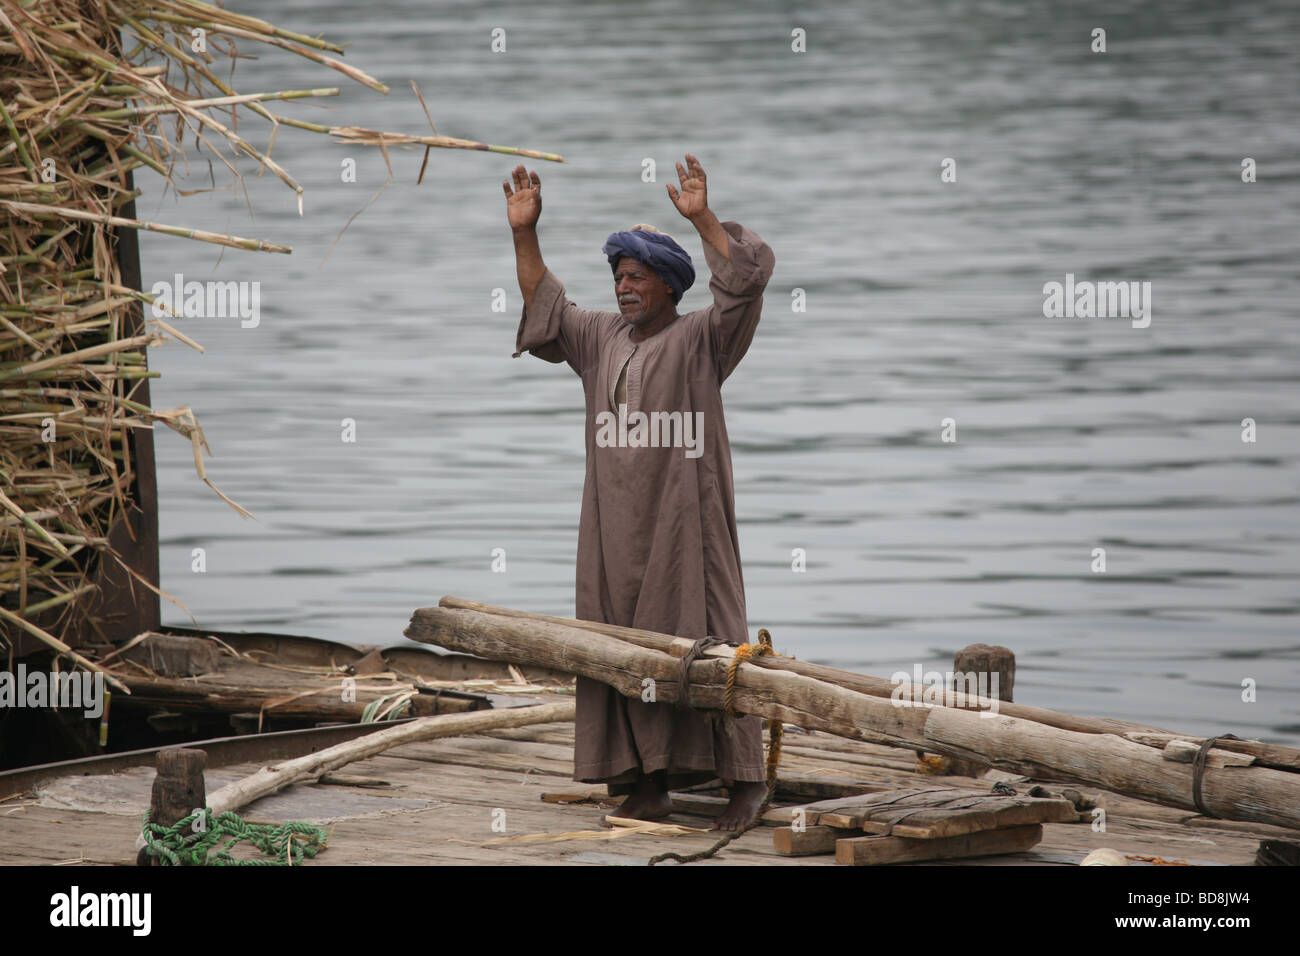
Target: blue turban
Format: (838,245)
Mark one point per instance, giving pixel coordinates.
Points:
(658,251)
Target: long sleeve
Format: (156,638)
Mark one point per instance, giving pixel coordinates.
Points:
(556,330)
(737,286)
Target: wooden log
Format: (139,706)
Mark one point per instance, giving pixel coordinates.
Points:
(178,790)
(1122,766)
(875,850)
(784,696)
(270,779)
(861,683)
(1010,743)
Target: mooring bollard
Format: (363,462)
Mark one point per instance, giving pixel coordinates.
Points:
(178,790)
(985,661)
(992,669)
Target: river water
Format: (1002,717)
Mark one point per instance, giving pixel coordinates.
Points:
(924,302)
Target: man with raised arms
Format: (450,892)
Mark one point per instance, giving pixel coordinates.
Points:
(657,542)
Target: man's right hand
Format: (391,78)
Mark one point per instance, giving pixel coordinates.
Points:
(524,203)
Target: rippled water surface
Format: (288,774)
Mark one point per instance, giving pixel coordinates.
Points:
(924,302)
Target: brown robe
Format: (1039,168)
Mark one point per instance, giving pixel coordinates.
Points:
(657,544)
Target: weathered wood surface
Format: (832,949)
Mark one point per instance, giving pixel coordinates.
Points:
(1106,760)
(270,779)
(462,798)
(933,813)
(862,683)
(810,814)
(877,850)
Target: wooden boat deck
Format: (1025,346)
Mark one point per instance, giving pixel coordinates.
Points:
(432,802)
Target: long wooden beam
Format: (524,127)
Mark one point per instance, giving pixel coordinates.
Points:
(634,671)
(862,683)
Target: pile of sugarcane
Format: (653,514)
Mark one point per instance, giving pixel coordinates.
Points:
(90,91)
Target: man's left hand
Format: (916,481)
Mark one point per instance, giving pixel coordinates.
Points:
(692,201)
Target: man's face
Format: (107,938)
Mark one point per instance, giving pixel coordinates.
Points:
(642,295)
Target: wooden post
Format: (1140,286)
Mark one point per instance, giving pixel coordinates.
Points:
(989,660)
(178,790)
(994,670)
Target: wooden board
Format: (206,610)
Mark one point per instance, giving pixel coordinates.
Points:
(876,850)
(939,812)
(807,841)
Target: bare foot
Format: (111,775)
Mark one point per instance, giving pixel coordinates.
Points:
(746,798)
(649,801)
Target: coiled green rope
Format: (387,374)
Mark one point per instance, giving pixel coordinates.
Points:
(182,845)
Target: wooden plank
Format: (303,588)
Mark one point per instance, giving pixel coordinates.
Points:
(807,841)
(877,850)
(1040,810)
(926,815)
